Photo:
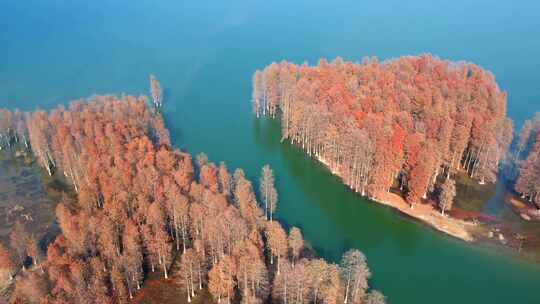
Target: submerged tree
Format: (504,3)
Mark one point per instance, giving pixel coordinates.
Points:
(157,94)
(5,128)
(258,97)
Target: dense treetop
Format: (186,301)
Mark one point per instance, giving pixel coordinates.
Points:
(142,206)
(403,121)
(528,159)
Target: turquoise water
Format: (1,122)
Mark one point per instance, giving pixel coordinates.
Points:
(204,53)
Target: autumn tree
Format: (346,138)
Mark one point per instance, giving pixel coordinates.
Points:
(160,245)
(31,288)
(268,191)
(301,282)
(120,289)
(38,131)
(399,123)
(259,96)
(527,182)
(331,290)
(447,195)
(136,196)
(245,199)
(252,275)
(296,243)
(225,179)
(155,90)
(276,241)
(320,274)
(7,264)
(354,273)
(5,128)
(281,286)
(189,275)
(33,250)
(132,254)
(18,240)
(221,279)
(180,212)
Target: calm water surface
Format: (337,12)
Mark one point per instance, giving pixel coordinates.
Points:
(204,53)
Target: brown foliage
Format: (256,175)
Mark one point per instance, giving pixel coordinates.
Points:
(135,197)
(528,179)
(359,119)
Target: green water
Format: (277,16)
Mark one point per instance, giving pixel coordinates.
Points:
(204,53)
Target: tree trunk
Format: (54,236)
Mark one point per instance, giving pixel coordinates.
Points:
(165,270)
(277,257)
(347,288)
(187,291)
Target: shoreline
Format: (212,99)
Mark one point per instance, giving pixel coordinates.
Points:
(428,215)
(478,233)
(425,213)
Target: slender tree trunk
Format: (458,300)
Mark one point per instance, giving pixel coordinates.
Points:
(277,257)
(187,290)
(191,279)
(285,292)
(347,288)
(200,276)
(165,269)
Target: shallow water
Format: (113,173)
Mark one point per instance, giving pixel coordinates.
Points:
(204,53)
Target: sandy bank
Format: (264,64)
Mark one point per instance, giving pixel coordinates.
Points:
(428,214)
(424,212)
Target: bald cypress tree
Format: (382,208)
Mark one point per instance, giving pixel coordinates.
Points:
(447,195)
(157,94)
(268,192)
(354,274)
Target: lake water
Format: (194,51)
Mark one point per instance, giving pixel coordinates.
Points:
(204,53)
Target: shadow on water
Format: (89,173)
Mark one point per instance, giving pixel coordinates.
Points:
(495,205)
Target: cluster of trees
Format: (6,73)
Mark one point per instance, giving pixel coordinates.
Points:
(403,123)
(140,204)
(23,248)
(528,161)
(12,128)
(23,252)
(19,126)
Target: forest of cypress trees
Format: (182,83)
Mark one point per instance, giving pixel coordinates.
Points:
(141,206)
